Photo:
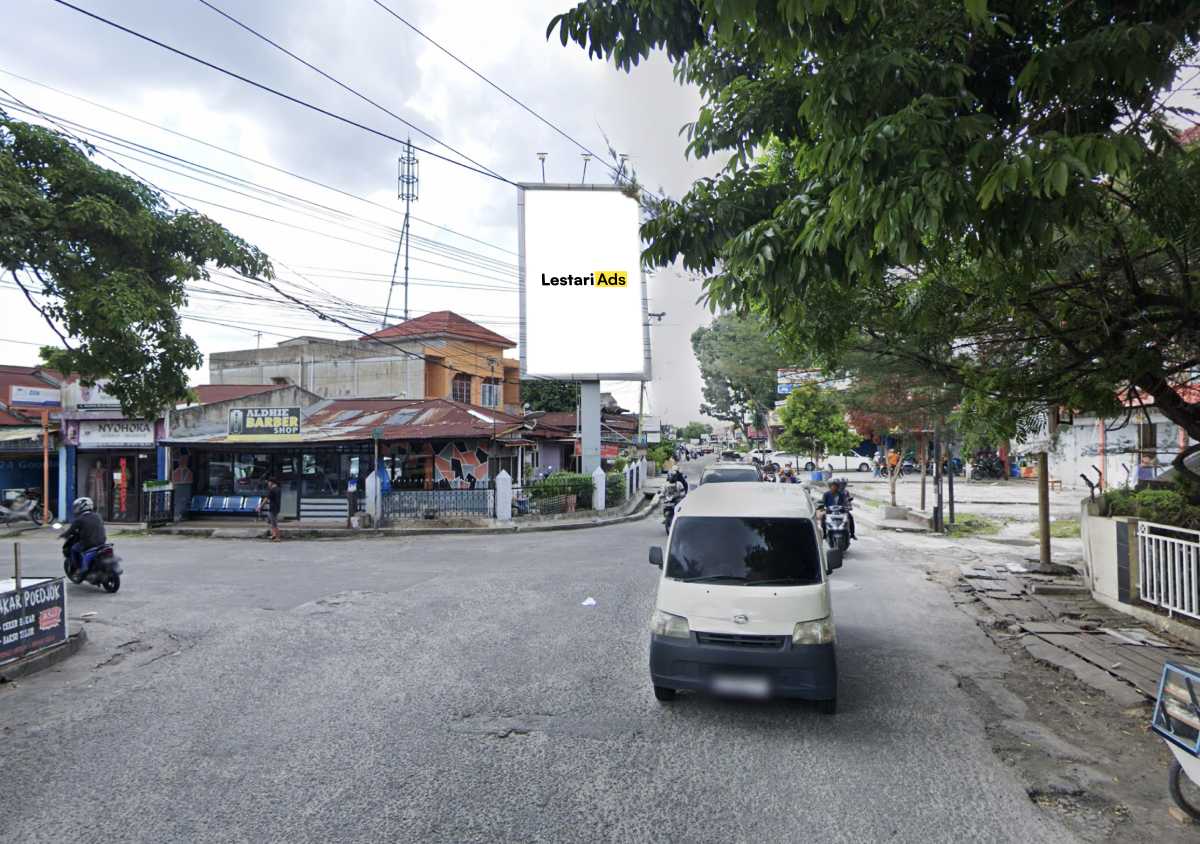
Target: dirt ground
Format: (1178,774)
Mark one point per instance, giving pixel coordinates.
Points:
(1097,767)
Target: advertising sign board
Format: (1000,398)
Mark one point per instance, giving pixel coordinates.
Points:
(81,397)
(583,297)
(118,433)
(264,423)
(34,396)
(32,617)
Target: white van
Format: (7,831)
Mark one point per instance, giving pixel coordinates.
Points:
(743,602)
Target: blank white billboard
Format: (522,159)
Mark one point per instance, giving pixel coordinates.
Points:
(583,307)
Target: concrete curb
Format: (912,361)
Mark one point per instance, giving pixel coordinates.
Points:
(44,659)
(643,509)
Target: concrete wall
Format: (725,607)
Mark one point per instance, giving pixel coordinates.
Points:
(329,368)
(210,417)
(1080,446)
(1099,536)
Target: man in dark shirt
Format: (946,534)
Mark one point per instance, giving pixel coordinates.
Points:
(272,504)
(86,531)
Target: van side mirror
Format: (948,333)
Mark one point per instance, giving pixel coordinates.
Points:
(833,558)
(656,555)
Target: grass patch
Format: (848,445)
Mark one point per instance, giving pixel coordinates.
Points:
(1060,529)
(972,524)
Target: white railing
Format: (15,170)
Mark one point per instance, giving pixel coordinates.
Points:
(1169,567)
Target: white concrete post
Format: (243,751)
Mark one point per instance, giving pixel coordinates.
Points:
(644,467)
(598,489)
(503,495)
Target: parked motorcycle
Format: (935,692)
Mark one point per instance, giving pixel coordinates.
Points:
(1177,719)
(21,510)
(98,566)
(837,527)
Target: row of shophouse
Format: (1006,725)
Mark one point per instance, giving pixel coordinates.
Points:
(432,402)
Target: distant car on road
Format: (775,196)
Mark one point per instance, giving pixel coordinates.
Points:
(723,473)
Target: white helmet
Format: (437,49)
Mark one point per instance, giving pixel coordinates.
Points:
(82,505)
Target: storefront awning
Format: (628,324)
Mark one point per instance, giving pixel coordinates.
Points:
(22,433)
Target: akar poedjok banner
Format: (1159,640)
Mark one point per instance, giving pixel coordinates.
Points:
(32,618)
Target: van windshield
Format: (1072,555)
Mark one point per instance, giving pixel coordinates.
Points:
(748,551)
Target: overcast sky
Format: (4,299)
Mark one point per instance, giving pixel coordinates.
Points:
(359,43)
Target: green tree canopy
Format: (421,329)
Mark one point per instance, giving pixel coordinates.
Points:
(814,423)
(550,396)
(738,361)
(693,431)
(110,262)
(990,190)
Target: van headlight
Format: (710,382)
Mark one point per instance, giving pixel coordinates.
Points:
(819,632)
(666,624)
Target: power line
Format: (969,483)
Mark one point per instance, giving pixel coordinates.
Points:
(430,360)
(549,123)
(251,160)
(476,260)
(267,88)
(344,86)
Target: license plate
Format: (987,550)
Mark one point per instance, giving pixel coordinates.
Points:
(741,686)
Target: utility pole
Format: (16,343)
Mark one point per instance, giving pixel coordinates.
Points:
(586,156)
(542,158)
(1044,506)
(407,184)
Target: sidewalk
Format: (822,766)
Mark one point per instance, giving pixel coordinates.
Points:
(637,507)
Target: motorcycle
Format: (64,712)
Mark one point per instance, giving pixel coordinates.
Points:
(99,566)
(837,527)
(23,509)
(1177,720)
(671,498)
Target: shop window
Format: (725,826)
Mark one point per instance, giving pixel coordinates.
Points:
(250,473)
(320,475)
(1147,436)
(460,388)
(491,392)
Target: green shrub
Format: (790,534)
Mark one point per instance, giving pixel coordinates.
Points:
(1165,506)
(614,488)
(620,464)
(562,483)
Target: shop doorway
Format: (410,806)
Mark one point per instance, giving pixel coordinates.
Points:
(113,480)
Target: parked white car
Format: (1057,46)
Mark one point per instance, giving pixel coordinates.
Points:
(849,462)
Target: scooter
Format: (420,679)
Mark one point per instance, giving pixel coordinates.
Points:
(837,527)
(22,510)
(671,499)
(99,566)
(1177,720)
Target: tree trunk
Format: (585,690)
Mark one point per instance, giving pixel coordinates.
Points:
(1184,414)
(923,448)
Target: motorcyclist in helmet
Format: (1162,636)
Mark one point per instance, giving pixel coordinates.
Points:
(677,477)
(86,531)
(836,496)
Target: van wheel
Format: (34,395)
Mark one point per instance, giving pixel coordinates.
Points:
(663,694)
(827,707)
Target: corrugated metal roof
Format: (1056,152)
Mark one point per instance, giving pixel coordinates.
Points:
(348,420)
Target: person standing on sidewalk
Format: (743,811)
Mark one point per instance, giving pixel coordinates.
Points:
(272,504)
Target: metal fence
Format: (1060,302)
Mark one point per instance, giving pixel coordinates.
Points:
(552,495)
(438,503)
(158,506)
(1169,568)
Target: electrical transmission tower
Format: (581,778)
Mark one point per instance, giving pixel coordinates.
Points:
(407,182)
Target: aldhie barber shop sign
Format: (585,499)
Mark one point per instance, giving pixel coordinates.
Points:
(32,618)
(264,423)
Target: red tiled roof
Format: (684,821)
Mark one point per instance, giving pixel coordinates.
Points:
(1190,393)
(441,324)
(1189,135)
(7,418)
(211,393)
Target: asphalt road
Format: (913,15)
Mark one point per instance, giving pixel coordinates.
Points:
(455,689)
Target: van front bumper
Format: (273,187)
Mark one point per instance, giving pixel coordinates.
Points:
(801,671)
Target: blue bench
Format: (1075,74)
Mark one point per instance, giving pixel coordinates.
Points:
(238,505)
